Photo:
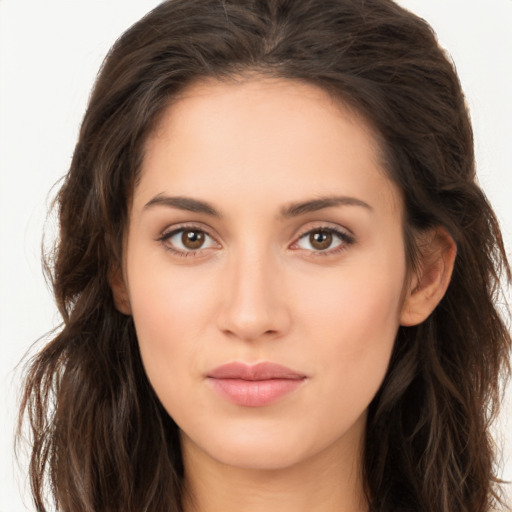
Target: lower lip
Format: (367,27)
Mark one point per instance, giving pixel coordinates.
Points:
(255,393)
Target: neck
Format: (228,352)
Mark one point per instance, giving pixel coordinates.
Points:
(329,481)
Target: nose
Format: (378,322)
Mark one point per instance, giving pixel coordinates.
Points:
(254,305)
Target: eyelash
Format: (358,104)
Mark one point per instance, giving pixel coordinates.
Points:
(346,240)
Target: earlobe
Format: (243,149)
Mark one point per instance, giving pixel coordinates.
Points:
(120,291)
(431,280)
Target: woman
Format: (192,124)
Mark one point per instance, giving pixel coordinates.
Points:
(276,272)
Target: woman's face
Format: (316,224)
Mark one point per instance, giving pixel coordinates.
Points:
(264,230)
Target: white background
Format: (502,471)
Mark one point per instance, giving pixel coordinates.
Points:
(50,52)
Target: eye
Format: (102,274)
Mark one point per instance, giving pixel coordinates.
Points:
(187,241)
(324,240)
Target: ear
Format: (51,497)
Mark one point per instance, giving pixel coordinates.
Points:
(430,281)
(120,291)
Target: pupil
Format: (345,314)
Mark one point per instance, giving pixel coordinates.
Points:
(192,239)
(321,240)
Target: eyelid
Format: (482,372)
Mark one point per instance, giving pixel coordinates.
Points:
(325,226)
(174,228)
(345,235)
(171,231)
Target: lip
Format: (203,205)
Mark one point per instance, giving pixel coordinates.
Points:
(254,385)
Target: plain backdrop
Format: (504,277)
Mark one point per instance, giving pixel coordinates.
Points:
(49,54)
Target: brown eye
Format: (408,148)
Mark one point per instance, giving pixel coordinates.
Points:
(320,240)
(192,239)
(187,241)
(324,240)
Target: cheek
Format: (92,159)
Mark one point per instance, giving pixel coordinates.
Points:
(353,321)
(357,306)
(170,310)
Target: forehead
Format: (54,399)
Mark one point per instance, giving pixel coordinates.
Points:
(274,130)
(257,97)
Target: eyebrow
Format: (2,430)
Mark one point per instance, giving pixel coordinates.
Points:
(313,205)
(183,203)
(292,210)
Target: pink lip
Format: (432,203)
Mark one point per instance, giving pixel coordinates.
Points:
(254,385)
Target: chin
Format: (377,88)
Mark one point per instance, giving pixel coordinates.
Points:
(262,447)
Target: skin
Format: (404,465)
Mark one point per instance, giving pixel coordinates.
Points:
(259,288)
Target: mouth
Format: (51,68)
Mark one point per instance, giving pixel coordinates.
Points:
(254,385)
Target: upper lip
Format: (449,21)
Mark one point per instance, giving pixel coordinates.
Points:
(259,371)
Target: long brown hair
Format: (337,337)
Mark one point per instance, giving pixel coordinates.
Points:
(101,441)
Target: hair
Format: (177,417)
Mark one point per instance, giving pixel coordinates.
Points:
(100,438)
